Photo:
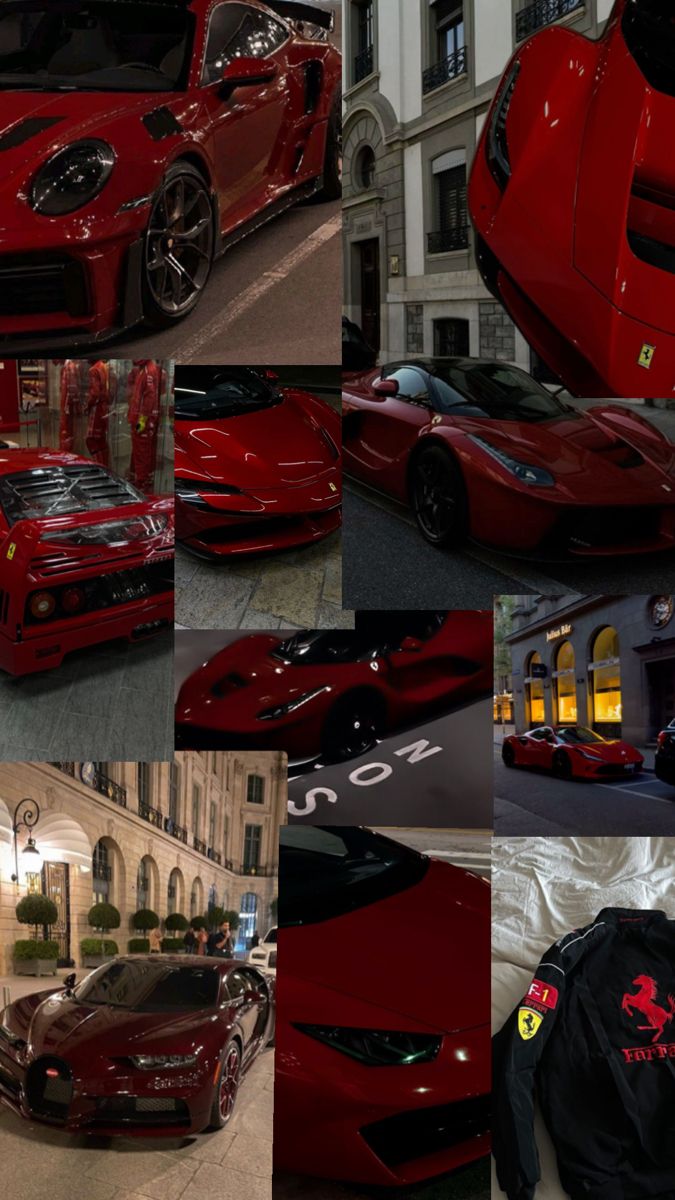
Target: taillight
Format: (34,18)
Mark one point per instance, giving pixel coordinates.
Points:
(72,600)
(661,739)
(42,605)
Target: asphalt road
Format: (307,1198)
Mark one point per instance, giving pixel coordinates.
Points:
(532,803)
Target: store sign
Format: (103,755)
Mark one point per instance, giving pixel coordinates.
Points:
(539,670)
(561,631)
(604,662)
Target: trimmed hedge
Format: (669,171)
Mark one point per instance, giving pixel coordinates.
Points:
(93,946)
(145,918)
(24,951)
(176,921)
(172,945)
(104,916)
(139,946)
(36,909)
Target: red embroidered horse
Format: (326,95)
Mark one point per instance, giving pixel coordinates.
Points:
(644,1001)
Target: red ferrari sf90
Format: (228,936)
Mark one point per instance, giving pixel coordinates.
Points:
(572,752)
(85,558)
(258,466)
(138,140)
(572,195)
(145,1046)
(333,694)
(383,1041)
(478,449)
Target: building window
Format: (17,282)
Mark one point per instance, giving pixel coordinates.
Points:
(101,870)
(451,338)
(365,39)
(565,684)
(364,169)
(448,42)
(534,689)
(142,885)
(451,227)
(196,808)
(173,889)
(543,12)
(248,919)
(212,825)
(213,898)
(252,840)
(143,783)
(255,789)
(605,671)
(174,791)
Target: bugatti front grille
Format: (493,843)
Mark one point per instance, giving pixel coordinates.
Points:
(32,284)
(49,1088)
(141,1110)
(413,1135)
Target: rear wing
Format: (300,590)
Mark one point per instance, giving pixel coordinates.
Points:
(295,11)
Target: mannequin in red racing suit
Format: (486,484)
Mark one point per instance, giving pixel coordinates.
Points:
(98,405)
(70,403)
(147,381)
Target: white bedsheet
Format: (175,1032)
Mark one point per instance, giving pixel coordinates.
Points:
(544,887)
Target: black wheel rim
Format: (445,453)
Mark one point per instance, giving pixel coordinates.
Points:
(357,733)
(179,245)
(435,498)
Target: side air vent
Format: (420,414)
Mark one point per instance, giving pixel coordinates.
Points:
(313,85)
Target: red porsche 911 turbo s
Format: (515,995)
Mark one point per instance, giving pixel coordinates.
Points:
(571,752)
(572,195)
(383,1038)
(144,1046)
(461,440)
(138,140)
(258,466)
(334,694)
(84,558)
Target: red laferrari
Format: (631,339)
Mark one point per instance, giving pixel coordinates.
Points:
(145,1046)
(572,194)
(383,1041)
(571,752)
(258,467)
(139,140)
(334,694)
(85,558)
(478,449)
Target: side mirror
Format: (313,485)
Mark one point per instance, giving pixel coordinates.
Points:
(69,983)
(248,71)
(271,376)
(412,644)
(385,387)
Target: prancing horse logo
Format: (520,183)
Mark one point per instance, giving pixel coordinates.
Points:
(644,1001)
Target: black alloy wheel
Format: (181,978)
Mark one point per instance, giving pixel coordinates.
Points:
(438,498)
(227,1087)
(508,755)
(352,728)
(179,246)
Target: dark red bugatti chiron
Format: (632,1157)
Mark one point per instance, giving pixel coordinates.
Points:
(478,449)
(571,752)
(139,140)
(143,1046)
(572,195)
(258,466)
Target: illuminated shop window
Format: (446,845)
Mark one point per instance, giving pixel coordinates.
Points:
(605,673)
(534,690)
(566,684)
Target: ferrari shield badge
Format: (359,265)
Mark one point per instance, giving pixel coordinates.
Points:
(646,355)
(12,550)
(332,487)
(528,1023)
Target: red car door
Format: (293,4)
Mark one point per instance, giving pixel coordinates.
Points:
(380,431)
(534,750)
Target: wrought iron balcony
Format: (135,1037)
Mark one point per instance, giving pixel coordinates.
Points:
(363,64)
(541,13)
(442,72)
(153,815)
(214,855)
(175,830)
(108,787)
(199,846)
(68,768)
(443,241)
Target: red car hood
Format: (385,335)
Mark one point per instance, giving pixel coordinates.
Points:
(274,447)
(62,1025)
(613,752)
(442,921)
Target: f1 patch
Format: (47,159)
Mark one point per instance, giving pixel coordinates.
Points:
(12,550)
(646,355)
(540,992)
(528,1023)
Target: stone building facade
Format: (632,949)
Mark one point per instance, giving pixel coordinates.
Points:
(419,76)
(174,837)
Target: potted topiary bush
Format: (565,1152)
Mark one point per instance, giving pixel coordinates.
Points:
(142,921)
(174,923)
(96,951)
(36,956)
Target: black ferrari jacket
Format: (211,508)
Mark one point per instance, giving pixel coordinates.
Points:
(595,1037)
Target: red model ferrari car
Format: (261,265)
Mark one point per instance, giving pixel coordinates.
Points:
(383,1041)
(572,752)
(145,1045)
(572,194)
(86,558)
(258,467)
(138,140)
(335,693)
(462,440)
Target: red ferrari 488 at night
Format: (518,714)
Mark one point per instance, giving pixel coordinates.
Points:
(258,467)
(138,140)
(85,558)
(572,195)
(478,449)
(334,694)
(383,1041)
(144,1046)
(571,752)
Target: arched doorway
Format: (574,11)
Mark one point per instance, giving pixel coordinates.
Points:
(605,681)
(534,690)
(147,884)
(565,685)
(108,873)
(248,920)
(197,898)
(176,892)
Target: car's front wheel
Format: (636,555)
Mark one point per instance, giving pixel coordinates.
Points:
(508,755)
(227,1087)
(438,498)
(179,246)
(562,766)
(352,727)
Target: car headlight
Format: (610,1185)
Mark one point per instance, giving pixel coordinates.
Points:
(497,145)
(587,754)
(187,491)
(72,177)
(154,1062)
(377,1047)
(525,472)
(281,710)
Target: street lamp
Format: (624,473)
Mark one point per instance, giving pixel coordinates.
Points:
(26,819)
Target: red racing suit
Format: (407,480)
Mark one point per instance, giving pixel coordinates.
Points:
(98,404)
(147,381)
(70,403)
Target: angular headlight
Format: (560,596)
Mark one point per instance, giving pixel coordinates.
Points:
(377,1047)
(71,178)
(273,714)
(187,491)
(152,1062)
(525,472)
(497,145)
(109,533)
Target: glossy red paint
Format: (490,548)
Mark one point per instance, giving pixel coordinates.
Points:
(612,472)
(252,150)
(283,463)
(335,693)
(571,753)
(102,571)
(340,1118)
(99,1089)
(576,234)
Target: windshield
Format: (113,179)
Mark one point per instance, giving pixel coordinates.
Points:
(150,987)
(210,393)
(95,45)
(494,390)
(649,30)
(328,870)
(377,633)
(579,736)
(61,492)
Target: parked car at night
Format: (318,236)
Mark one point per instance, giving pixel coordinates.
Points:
(147,1045)
(264,955)
(571,752)
(664,762)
